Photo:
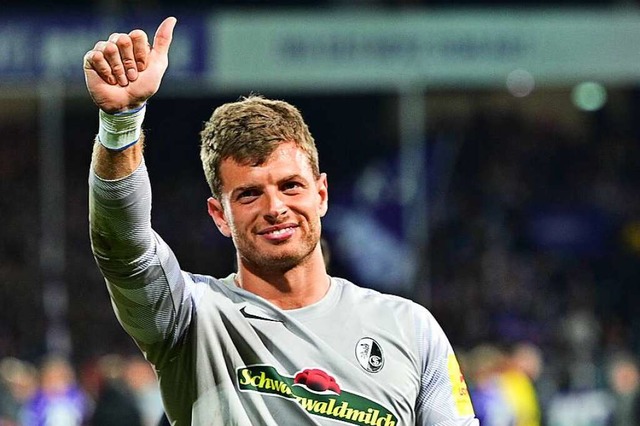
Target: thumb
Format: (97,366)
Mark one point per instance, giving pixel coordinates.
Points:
(164,35)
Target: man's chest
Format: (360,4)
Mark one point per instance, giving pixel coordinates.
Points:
(348,371)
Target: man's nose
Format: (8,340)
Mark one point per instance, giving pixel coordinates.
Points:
(276,207)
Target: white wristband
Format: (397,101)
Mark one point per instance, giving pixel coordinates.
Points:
(121,130)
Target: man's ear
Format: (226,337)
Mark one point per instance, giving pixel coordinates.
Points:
(323,193)
(216,211)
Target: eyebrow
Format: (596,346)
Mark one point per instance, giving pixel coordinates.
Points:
(251,186)
(244,188)
(294,176)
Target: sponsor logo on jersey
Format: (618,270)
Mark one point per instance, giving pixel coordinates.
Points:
(369,355)
(459,386)
(318,393)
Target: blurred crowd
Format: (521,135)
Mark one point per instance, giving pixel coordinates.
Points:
(507,386)
(111,390)
(535,261)
(534,244)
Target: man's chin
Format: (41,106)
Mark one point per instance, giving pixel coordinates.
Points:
(282,261)
(277,257)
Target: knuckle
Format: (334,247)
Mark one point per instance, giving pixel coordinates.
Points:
(104,70)
(117,68)
(129,63)
(124,42)
(94,56)
(137,35)
(110,48)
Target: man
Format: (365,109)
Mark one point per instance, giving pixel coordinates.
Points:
(623,376)
(279,342)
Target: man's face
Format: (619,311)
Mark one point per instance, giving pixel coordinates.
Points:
(272,211)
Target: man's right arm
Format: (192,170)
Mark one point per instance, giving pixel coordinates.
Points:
(143,276)
(149,292)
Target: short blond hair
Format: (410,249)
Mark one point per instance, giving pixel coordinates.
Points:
(248,131)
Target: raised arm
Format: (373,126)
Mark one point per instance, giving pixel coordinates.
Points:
(121,74)
(143,276)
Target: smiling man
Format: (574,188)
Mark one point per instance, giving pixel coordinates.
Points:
(268,196)
(279,341)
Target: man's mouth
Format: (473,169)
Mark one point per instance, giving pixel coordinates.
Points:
(278,233)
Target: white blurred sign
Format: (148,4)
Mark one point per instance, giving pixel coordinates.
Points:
(386,49)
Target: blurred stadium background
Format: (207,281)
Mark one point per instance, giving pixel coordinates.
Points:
(483,158)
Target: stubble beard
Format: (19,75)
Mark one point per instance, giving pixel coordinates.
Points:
(281,260)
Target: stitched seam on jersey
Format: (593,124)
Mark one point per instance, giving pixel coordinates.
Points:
(174,338)
(422,350)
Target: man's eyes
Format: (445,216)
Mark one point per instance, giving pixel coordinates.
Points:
(291,186)
(248,195)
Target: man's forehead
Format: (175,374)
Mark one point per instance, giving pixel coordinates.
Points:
(285,150)
(286,159)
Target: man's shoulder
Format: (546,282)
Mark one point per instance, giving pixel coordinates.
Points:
(206,284)
(367,295)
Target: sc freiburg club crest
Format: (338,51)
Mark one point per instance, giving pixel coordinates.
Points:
(369,355)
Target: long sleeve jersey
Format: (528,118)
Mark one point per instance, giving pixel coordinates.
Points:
(225,356)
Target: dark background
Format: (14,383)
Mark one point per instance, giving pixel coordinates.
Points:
(534,226)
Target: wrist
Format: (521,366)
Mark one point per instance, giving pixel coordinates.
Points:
(121,130)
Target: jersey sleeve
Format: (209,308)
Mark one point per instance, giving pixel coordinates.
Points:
(149,293)
(443,398)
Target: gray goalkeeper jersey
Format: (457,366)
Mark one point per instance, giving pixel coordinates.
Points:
(225,356)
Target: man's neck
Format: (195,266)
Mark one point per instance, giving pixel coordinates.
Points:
(298,287)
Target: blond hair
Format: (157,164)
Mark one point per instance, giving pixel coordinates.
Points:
(248,131)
